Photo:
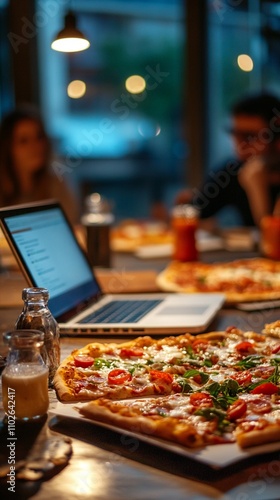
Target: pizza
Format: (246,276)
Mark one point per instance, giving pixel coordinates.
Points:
(245,280)
(218,387)
(132,234)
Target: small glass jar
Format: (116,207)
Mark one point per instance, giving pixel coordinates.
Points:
(37,316)
(25,377)
(184,220)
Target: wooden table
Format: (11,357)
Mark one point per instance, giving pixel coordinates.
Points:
(109,465)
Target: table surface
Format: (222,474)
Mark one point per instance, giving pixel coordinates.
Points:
(106,464)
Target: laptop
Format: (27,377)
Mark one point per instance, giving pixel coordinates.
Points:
(50,256)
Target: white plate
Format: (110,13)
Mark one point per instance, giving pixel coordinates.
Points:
(216,456)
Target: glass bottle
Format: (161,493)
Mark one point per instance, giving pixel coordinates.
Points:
(25,377)
(98,220)
(270,233)
(37,316)
(184,220)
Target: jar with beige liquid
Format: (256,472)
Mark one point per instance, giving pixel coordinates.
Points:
(25,377)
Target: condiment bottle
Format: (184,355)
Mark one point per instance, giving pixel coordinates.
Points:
(270,233)
(25,377)
(98,220)
(184,220)
(37,316)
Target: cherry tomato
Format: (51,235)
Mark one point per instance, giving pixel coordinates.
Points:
(259,406)
(245,347)
(131,353)
(276,349)
(200,345)
(237,409)
(242,378)
(265,388)
(200,399)
(231,329)
(162,376)
(83,361)
(118,376)
(197,379)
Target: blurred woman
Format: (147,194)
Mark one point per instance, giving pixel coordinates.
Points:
(25,155)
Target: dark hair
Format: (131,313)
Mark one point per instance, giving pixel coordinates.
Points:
(7,170)
(262,105)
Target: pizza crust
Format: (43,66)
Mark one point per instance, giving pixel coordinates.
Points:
(269,434)
(119,415)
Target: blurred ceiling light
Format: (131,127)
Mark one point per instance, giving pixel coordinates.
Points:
(76,89)
(245,62)
(70,39)
(135,84)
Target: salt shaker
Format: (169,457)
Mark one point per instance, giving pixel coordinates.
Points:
(25,377)
(98,220)
(37,316)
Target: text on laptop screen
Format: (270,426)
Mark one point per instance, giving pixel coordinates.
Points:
(53,257)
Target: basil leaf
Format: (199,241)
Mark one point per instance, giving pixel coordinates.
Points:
(230,388)
(214,389)
(186,388)
(250,361)
(105,363)
(192,373)
(207,362)
(214,414)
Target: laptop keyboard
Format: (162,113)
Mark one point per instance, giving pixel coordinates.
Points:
(121,311)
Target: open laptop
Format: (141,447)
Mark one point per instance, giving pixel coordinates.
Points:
(50,256)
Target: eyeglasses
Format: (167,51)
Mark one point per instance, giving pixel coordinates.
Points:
(245,135)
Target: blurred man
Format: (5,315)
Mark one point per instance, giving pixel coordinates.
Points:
(251,181)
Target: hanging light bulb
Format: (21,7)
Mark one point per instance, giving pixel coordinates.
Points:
(70,39)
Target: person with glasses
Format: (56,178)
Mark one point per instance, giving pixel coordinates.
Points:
(250,182)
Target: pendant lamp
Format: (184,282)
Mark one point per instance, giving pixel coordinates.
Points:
(70,39)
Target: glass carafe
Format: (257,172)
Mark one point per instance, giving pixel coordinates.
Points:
(25,377)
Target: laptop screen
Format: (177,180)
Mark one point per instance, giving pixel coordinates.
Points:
(51,256)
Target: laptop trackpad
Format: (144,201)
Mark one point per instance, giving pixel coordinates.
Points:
(182,310)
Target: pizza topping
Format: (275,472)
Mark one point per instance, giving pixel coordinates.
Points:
(242,378)
(201,399)
(245,348)
(119,376)
(266,388)
(198,376)
(250,361)
(259,406)
(237,409)
(200,345)
(131,353)
(83,360)
(162,376)
(276,349)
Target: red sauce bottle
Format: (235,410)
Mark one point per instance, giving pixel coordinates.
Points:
(184,224)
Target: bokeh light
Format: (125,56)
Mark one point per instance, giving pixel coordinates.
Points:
(76,89)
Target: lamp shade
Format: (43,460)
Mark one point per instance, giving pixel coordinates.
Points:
(70,39)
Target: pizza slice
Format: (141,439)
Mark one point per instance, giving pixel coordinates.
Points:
(194,420)
(245,280)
